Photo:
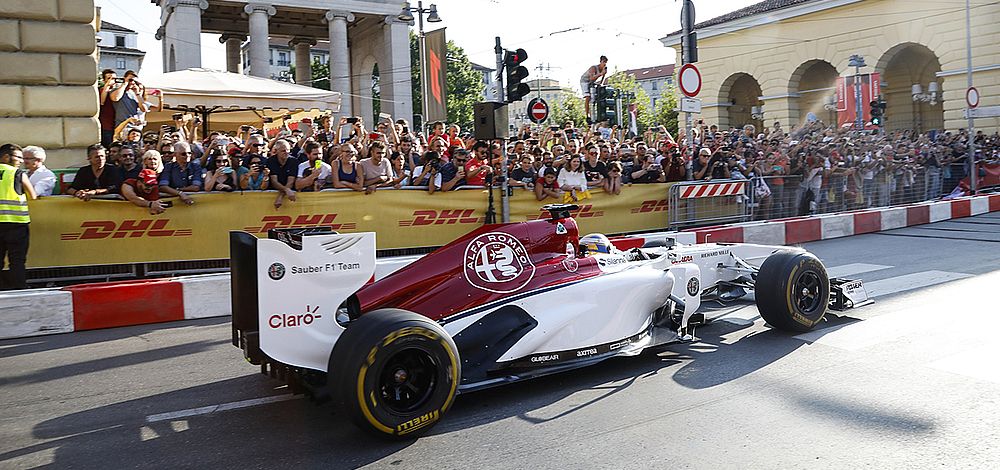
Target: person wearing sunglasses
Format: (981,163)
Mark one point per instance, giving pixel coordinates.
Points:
(182,175)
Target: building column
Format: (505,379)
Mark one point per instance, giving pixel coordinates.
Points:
(303,59)
(340,57)
(180,34)
(259,49)
(394,70)
(234,54)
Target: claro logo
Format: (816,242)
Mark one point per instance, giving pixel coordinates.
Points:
(283,320)
(98,229)
(443,217)
(310,220)
(651,206)
(583,212)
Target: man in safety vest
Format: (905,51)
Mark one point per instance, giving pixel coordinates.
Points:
(15,189)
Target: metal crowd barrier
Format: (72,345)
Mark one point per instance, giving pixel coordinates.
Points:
(692,203)
(776,197)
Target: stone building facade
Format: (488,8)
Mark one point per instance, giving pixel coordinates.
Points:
(785,56)
(48,71)
(118,48)
(361,35)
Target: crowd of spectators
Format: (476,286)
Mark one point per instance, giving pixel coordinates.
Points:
(801,170)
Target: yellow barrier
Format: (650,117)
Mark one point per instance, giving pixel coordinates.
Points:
(68,232)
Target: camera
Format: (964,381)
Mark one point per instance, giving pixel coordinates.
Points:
(268,120)
(167,203)
(352,120)
(177,116)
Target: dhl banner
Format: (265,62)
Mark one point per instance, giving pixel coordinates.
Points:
(68,232)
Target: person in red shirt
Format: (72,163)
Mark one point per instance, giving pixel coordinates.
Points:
(478,168)
(107,113)
(144,191)
(547,186)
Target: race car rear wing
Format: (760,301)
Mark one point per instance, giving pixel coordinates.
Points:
(287,290)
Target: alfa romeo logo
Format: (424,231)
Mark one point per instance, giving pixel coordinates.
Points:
(276,271)
(497,262)
(693,286)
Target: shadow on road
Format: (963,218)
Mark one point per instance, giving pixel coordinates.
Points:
(297,433)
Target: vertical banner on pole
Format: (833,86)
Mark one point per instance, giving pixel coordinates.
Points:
(846,105)
(437,86)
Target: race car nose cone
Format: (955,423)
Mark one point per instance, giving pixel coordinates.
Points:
(400,376)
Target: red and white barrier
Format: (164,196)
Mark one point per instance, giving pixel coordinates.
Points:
(712,190)
(105,305)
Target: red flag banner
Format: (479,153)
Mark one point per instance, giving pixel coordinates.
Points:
(437,86)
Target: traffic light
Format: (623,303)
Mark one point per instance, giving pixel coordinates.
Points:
(516,72)
(877,109)
(606,106)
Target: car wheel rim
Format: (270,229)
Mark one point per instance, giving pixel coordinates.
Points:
(407,380)
(807,292)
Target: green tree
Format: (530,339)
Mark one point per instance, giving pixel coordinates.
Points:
(626,83)
(665,113)
(568,107)
(465,86)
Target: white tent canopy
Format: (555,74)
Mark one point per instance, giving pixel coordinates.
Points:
(230,99)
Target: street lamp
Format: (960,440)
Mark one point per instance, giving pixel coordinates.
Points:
(406,14)
(857,61)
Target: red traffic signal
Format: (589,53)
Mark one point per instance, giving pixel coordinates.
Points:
(514,58)
(516,72)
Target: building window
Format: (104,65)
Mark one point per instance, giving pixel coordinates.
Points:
(119,41)
(653,104)
(120,63)
(283,59)
(669,81)
(653,84)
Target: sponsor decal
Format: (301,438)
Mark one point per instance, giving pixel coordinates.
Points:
(560,229)
(570,249)
(712,254)
(586,352)
(544,358)
(682,259)
(611,263)
(276,271)
(269,222)
(443,217)
(693,286)
(650,206)
(282,320)
(322,268)
(417,423)
(571,264)
(99,229)
(585,211)
(536,360)
(497,262)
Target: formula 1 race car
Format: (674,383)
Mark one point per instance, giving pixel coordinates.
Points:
(505,302)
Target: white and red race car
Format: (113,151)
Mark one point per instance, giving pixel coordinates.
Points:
(503,303)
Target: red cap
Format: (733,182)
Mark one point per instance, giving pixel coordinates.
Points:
(149,177)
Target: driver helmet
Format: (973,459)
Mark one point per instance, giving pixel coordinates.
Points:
(596,243)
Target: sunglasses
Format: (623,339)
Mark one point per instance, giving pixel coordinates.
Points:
(460,160)
(256,145)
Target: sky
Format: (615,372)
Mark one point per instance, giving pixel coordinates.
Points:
(564,37)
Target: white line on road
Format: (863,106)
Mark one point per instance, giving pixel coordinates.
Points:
(906,282)
(854,269)
(204,410)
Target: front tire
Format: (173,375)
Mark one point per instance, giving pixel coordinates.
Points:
(792,291)
(394,372)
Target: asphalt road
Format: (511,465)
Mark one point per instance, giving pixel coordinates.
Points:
(909,382)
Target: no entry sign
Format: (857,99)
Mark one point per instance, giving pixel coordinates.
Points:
(690,80)
(538,110)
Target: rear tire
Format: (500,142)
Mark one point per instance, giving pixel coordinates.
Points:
(792,291)
(394,372)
